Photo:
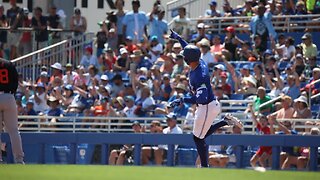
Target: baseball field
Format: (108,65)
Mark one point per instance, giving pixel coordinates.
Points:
(95,172)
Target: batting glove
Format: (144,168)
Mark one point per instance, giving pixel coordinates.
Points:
(174,35)
(175,103)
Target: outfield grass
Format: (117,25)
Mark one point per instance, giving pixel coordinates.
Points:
(92,172)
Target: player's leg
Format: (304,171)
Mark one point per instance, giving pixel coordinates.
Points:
(11,123)
(113,157)
(202,149)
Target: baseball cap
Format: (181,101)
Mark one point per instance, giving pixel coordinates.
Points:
(316,69)
(128,98)
(56,66)
(154,38)
(136,123)
(230,29)
(220,66)
(142,78)
(204,42)
(166,76)
(69,65)
(30,102)
(117,77)
(68,87)
(213,3)
(104,77)
(268,51)
(176,45)
(129,38)
(89,49)
(302,99)
(201,26)
(299,56)
(123,51)
(246,66)
(171,116)
(306,36)
(41,85)
(44,73)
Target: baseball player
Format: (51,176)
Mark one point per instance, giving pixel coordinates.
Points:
(8,109)
(208,107)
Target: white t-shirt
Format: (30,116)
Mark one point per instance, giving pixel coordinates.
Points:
(286,51)
(159,48)
(42,106)
(148,102)
(181,26)
(66,80)
(130,111)
(167,130)
(208,57)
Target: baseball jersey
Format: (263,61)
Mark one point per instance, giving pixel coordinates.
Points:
(200,85)
(8,77)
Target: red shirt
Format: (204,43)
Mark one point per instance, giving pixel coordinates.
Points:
(265,130)
(131,48)
(226,89)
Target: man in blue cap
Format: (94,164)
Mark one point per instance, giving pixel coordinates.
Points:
(212,12)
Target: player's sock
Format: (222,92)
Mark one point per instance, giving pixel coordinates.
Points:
(202,149)
(215,127)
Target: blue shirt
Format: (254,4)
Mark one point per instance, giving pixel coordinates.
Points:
(266,20)
(129,21)
(55,112)
(293,92)
(199,82)
(144,63)
(181,111)
(119,24)
(158,28)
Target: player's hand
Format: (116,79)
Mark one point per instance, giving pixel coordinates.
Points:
(175,103)
(174,35)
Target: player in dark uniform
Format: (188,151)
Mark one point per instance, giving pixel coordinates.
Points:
(208,107)
(8,109)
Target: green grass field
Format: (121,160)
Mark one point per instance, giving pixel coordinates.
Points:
(88,172)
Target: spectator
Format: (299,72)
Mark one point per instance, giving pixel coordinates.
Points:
(54,110)
(104,81)
(300,66)
(14,22)
(217,70)
(112,40)
(104,91)
(118,85)
(56,71)
(122,63)
(66,97)
(201,34)
(231,41)
(3,24)
(220,95)
(264,152)
(102,37)
(39,98)
(181,110)
(139,60)
(69,75)
(275,84)
(212,12)
(93,78)
(29,109)
(248,11)
(145,103)
(130,46)
(78,24)
(117,157)
(134,22)
(314,88)
(309,49)
(172,128)
(302,111)
(149,152)
(286,112)
(261,25)
(225,86)
(39,23)
(89,58)
(287,50)
(54,23)
(181,24)
(130,107)
(165,88)
(289,154)
(244,53)
(120,13)
(292,89)
(206,55)
(261,81)
(261,99)
(217,47)
(44,78)
(155,49)
(158,26)
(180,66)
(81,78)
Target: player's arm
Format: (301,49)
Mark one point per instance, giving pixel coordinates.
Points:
(176,36)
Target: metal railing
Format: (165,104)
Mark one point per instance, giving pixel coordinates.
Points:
(310,94)
(283,23)
(66,51)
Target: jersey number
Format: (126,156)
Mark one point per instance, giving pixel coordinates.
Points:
(4,76)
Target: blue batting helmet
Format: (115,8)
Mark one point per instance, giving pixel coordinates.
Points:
(191,53)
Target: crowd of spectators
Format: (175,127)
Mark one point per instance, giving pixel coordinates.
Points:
(136,69)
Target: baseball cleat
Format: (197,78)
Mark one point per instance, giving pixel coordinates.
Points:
(231,120)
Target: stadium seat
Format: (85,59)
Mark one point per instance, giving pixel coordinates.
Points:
(237,96)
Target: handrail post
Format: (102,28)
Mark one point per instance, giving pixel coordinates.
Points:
(275,157)
(239,156)
(170,155)
(313,166)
